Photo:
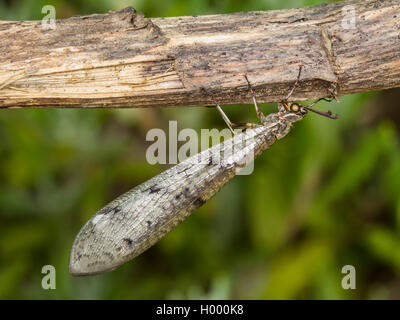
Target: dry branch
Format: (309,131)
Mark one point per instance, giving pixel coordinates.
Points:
(121,59)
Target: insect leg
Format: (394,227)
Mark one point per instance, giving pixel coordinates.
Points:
(232,125)
(260,114)
(295,84)
(225,117)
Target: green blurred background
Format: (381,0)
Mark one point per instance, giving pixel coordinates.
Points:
(326,196)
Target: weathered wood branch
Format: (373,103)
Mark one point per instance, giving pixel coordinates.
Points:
(122,59)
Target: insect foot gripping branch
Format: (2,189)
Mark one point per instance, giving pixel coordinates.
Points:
(138,219)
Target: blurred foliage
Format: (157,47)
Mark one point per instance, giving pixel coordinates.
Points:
(326,196)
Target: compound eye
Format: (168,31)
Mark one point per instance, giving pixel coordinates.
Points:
(294,108)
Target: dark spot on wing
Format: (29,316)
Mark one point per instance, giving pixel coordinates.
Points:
(185,193)
(148,223)
(154,189)
(117,209)
(210,161)
(199,202)
(183,170)
(128,241)
(109,255)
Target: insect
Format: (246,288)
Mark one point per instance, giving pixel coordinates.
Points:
(138,219)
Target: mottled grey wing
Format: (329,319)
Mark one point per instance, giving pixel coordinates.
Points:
(138,219)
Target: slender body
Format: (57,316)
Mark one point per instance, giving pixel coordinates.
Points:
(138,219)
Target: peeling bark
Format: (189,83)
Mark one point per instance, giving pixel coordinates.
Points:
(121,59)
